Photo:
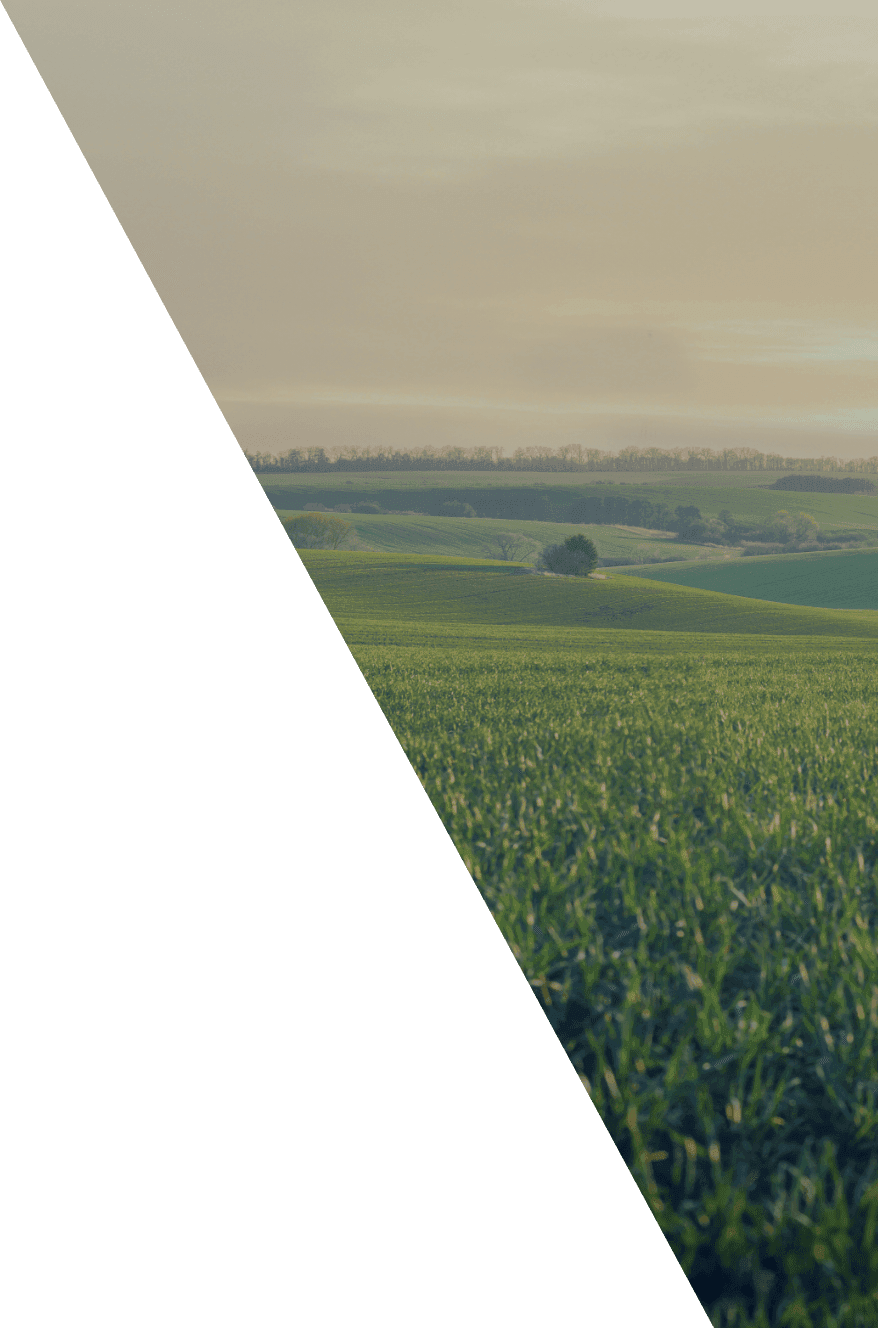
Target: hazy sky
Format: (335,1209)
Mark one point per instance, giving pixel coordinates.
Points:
(506,222)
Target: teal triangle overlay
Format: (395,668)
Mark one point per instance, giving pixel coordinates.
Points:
(266,1057)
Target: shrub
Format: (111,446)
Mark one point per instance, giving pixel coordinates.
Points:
(316,531)
(577,556)
(457,509)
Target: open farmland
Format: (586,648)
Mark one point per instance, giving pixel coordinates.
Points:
(681,853)
(475,594)
(829,580)
(475,537)
(666,797)
(524,496)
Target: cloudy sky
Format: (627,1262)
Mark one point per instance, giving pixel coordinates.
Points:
(501,222)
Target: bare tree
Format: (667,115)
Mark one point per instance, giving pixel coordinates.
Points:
(510,547)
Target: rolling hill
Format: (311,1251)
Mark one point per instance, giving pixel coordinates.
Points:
(415,595)
(474,537)
(837,580)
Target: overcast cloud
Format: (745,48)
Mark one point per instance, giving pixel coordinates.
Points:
(495,222)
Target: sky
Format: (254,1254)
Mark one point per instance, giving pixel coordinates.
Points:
(505,223)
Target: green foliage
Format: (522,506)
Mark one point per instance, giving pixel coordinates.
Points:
(582,544)
(681,853)
(792,527)
(577,556)
(783,529)
(315,530)
(454,508)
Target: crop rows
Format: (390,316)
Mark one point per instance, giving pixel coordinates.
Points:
(682,855)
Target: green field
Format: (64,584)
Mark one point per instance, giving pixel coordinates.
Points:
(617,642)
(681,852)
(841,579)
(666,797)
(421,593)
(474,537)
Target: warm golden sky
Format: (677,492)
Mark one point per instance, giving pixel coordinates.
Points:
(506,222)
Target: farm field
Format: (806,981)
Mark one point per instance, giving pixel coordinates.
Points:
(665,796)
(839,579)
(474,537)
(617,642)
(550,499)
(423,592)
(681,851)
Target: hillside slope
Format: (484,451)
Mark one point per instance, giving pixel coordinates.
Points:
(475,537)
(839,580)
(396,588)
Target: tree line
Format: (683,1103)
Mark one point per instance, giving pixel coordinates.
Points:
(572,458)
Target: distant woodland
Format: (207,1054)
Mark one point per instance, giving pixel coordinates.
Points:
(571,459)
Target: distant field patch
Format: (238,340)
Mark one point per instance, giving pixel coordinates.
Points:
(820,580)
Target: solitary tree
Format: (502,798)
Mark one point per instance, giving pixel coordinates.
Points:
(314,530)
(577,556)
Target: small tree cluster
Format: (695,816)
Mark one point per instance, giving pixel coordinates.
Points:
(784,528)
(577,556)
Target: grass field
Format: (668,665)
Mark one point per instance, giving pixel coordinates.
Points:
(474,594)
(617,643)
(829,580)
(474,537)
(681,851)
(665,796)
(835,513)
